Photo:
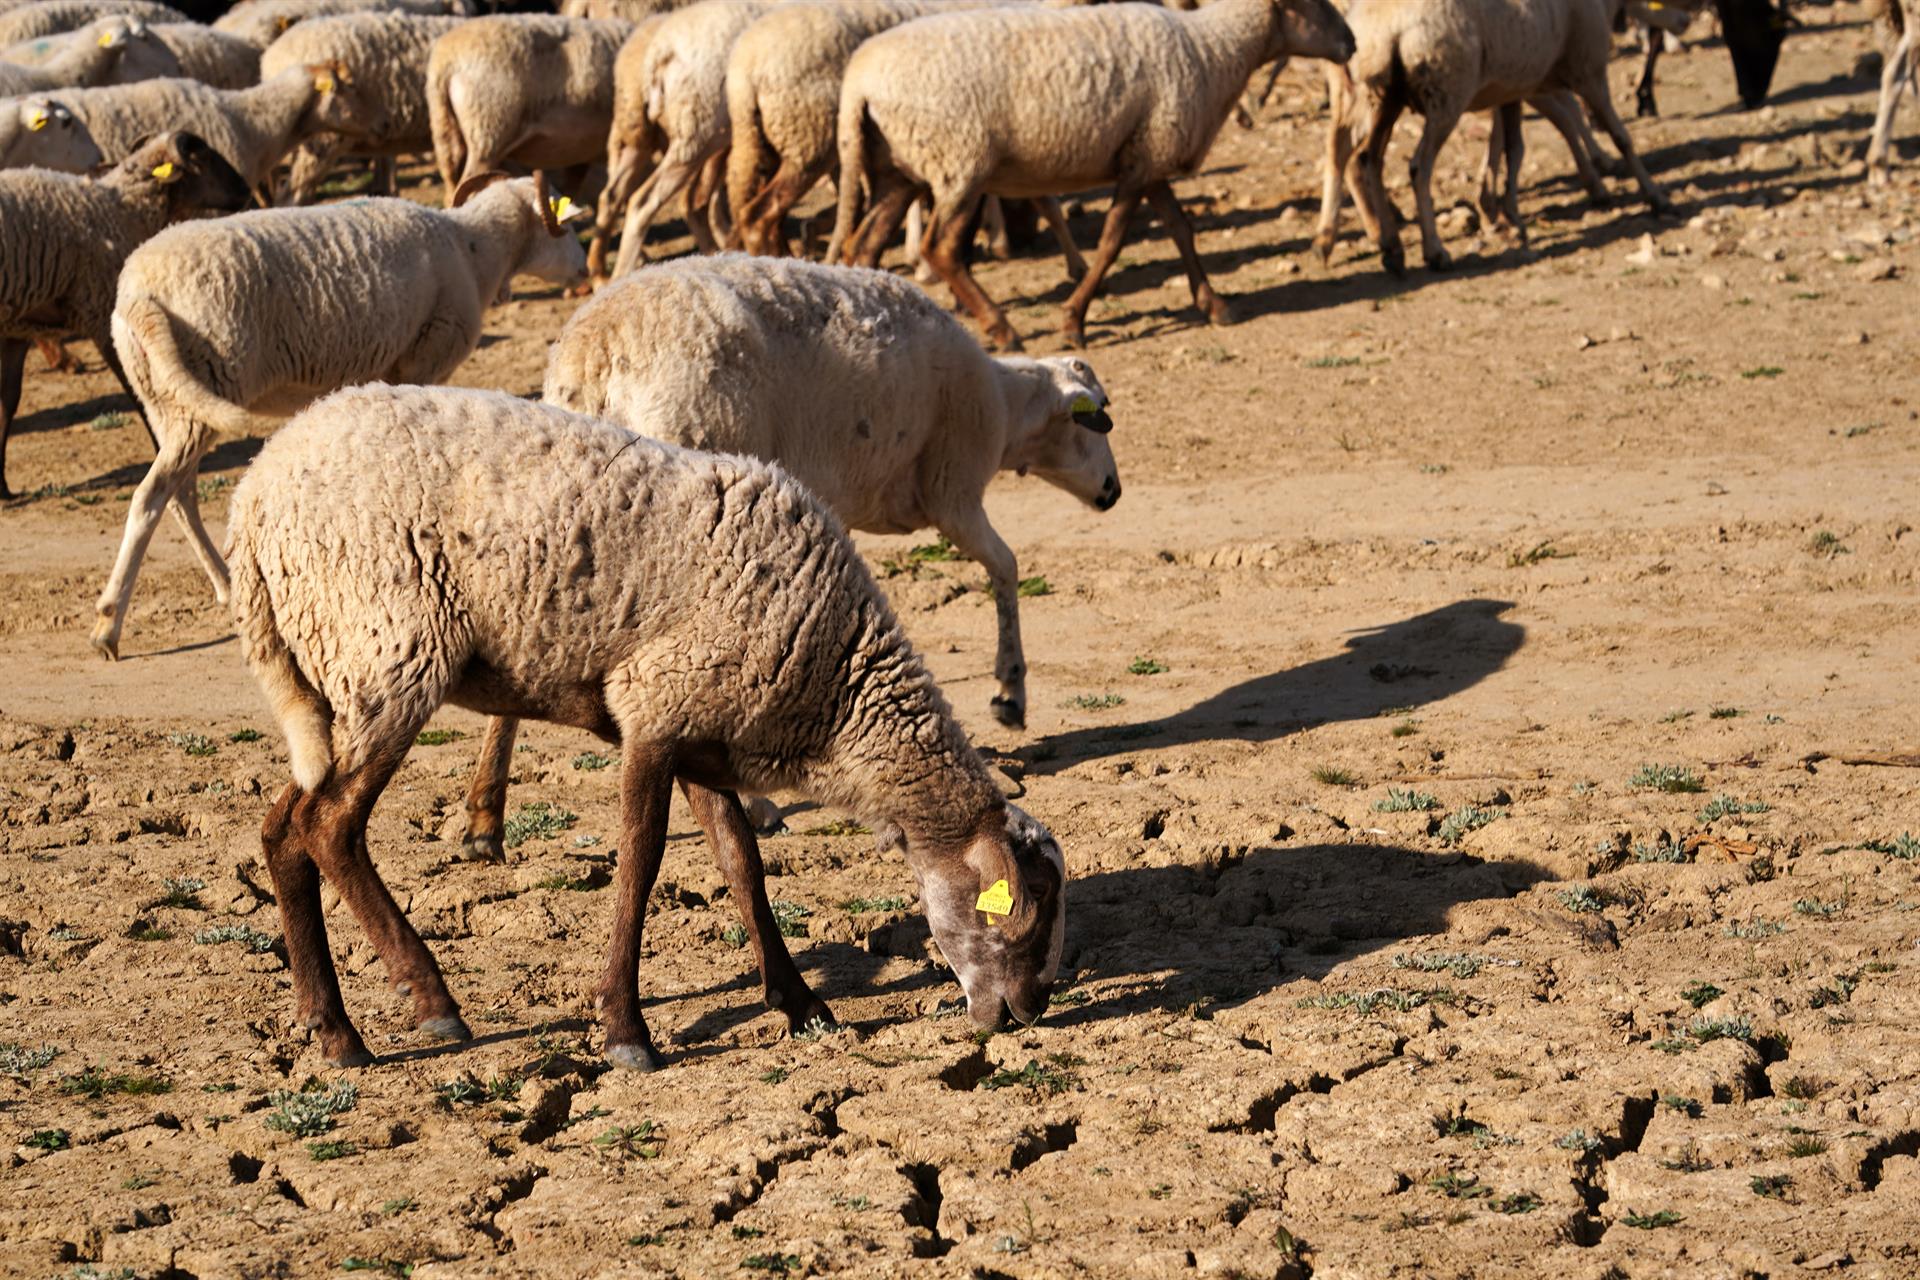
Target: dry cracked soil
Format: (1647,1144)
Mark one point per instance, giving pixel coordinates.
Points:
(1479,739)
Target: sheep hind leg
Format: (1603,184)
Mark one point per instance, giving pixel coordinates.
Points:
(1514,147)
(185,509)
(673,175)
(1562,111)
(487,797)
(892,197)
(646,788)
(296,888)
(759,222)
(950,227)
(1600,107)
(1167,205)
(1333,169)
(1056,219)
(335,837)
(738,853)
(1440,120)
(1644,104)
(13,367)
(177,463)
(1366,178)
(976,539)
(702,198)
(1113,234)
(1895,77)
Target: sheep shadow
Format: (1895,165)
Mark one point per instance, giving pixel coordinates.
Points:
(1416,660)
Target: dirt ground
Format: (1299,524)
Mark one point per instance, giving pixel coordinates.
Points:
(1520,544)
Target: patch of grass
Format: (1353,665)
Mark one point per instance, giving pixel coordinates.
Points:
(1726,806)
(591,761)
(1652,1221)
(250,938)
(637,1140)
(536,821)
(1671,778)
(392,1266)
(1672,1045)
(1535,554)
(1703,1030)
(1094,701)
(778,1263)
(194,744)
(1826,544)
(1365,1002)
(1756,927)
(1031,587)
(310,1112)
(139,1182)
(1675,717)
(741,1232)
(437,737)
(1688,1107)
(1467,819)
(1701,994)
(1333,362)
(18,1059)
(182,893)
(861,906)
(734,935)
(1034,1077)
(1903,846)
(649,1238)
(1405,729)
(1455,1186)
(245,735)
(1816,907)
(334,1150)
(95,1083)
(469,1091)
(839,827)
(1762,371)
(1067,999)
(149,933)
(1458,963)
(1773,1188)
(1579,1140)
(49,1140)
(1519,1202)
(1582,899)
(1408,801)
(790,917)
(1723,713)
(776,1076)
(1147,667)
(1332,776)
(394,1208)
(560,881)
(1806,1145)
(1800,1087)
(1665,851)
(110,422)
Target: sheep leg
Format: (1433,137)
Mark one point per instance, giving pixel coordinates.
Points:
(674,173)
(949,230)
(1490,164)
(1333,166)
(177,463)
(311,163)
(892,199)
(1644,104)
(1113,233)
(1366,176)
(1507,123)
(760,219)
(1895,76)
(1560,111)
(185,509)
(13,367)
(646,789)
(705,189)
(296,888)
(976,539)
(334,833)
(738,853)
(622,177)
(487,797)
(1441,118)
(993,220)
(1600,107)
(1056,219)
(1167,205)
(923,272)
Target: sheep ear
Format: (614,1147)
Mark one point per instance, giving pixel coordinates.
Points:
(1090,413)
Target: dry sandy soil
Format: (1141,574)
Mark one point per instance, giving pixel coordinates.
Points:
(1498,539)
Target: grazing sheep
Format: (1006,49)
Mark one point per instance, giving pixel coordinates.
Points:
(625,10)
(252,128)
(54,283)
(397,548)
(1039,102)
(261,22)
(41,133)
(1897,26)
(264,312)
(77,65)
(1446,57)
(387,54)
(55,17)
(521,89)
(184,49)
(683,92)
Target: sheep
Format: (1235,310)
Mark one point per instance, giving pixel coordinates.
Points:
(1445,57)
(265,311)
(1012,101)
(682,91)
(174,49)
(261,22)
(41,132)
(387,53)
(524,89)
(76,65)
(629,10)
(397,548)
(252,128)
(56,283)
(632,146)
(54,17)
(1897,26)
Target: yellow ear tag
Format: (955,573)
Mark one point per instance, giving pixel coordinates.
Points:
(106,39)
(561,208)
(37,121)
(323,84)
(996,900)
(164,171)
(1085,404)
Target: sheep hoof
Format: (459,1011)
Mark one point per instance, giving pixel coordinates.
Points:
(354,1055)
(1221,312)
(105,642)
(483,848)
(634,1057)
(1009,713)
(1395,261)
(1001,337)
(448,1026)
(1662,207)
(1439,260)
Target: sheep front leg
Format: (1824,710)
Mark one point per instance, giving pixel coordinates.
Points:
(1217,309)
(738,853)
(949,231)
(1895,76)
(185,509)
(1056,219)
(646,787)
(296,888)
(1366,177)
(13,368)
(974,538)
(1643,100)
(1560,111)
(1113,234)
(487,797)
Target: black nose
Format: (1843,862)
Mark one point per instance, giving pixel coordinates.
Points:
(1108,496)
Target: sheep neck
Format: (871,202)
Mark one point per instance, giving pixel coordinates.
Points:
(1232,37)
(81,63)
(500,226)
(268,115)
(142,202)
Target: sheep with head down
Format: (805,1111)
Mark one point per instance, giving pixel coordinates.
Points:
(41,133)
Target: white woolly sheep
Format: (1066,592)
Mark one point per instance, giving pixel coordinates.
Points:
(387,54)
(397,548)
(625,10)
(55,17)
(265,311)
(184,49)
(55,283)
(1446,57)
(261,22)
(683,92)
(40,132)
(1897,26)
(1038,102)
(80,64)
(253,128)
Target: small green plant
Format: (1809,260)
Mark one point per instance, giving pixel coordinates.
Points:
(1806,1145)
(1827,545)
(1762,371)
(741,1232)
(110,422)
(333,1150)
(144,932)
(1723,713)
(1724,806)
(1703,1030)
(1035,1077)
(560,881)
(392,1266)
(1094,701)
(1675,717)
(244,735)
(466,1090)
(1652,1221)
(1147,667)
(1408,801)
(790,917)
(637,1140)
(95,1083)
(1904,846)
(1582,899)
(1688,1107)
(437,737)
(536,821)
(778,1263)
(310,1112)
(250,938)
(182,893)
(1520,1202)
(1365,1002)
(1535,554)
(18,1059)
(1456,1186)
(1457,825)
(1663,851)
(816,1029)
(1405,729)
(394,1208)
(1333,776)
(776,1076)
(1773,1188)
(839,827)
(1673,778)
(49,1140)
(1579,1140)
(1816,907)
(591,761)
(1754,927)
(1333,362)
(1031,587)
(1801,1088)
(1701,994)
(1672,1045)
(734,935)
(648,1238)
(862,906)
(139,1182)
(194,744)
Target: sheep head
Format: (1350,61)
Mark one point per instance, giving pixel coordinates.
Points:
(40,131)
(1061,435)
(1309,29)
(196,178)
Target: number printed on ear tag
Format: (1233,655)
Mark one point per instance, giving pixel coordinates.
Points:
(996,900)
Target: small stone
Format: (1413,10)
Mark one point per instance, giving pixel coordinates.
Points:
(1645,253)
(1712,281)
(1877,270)
(1858,338)
(1582,343)
(1618,334)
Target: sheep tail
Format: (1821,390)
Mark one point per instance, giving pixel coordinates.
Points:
(853,170)
(305,717)
(449,144)
(749,150)
(143,335)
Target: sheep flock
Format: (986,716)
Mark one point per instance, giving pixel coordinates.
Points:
(649,370)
